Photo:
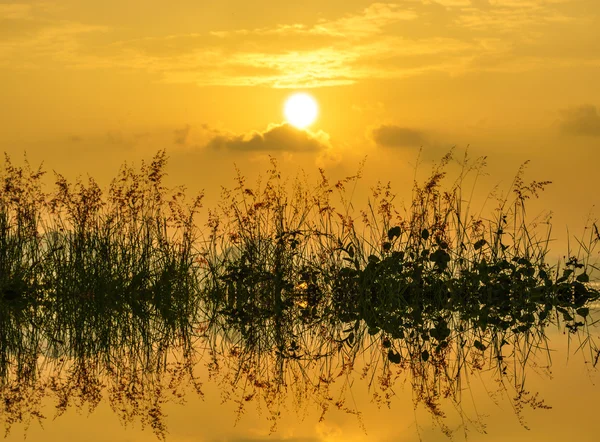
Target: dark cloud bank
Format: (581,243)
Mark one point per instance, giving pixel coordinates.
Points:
(278,138)
(396,136)
(271,439)
(582,120)
(181,135)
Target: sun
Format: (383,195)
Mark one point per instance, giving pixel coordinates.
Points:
(301,110)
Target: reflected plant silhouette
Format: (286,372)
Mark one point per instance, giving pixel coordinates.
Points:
(121,295)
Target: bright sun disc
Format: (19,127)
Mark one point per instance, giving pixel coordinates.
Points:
(301,110)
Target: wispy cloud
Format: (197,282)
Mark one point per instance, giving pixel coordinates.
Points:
(371,21)
(15,11)
(29,35)
(320,54)
(383,40)
(376,42)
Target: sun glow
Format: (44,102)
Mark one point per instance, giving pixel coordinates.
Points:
(301,110)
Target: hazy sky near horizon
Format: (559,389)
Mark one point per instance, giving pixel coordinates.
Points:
(87,85)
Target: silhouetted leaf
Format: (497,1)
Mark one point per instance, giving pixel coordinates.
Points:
(11,294)
(529,271)
(565,275)
(373,259)
(425,234)
(399,256)
(373,330)
(441,258)
(478,345)
(394,357)
(479,244)
(394,232)
(584,277)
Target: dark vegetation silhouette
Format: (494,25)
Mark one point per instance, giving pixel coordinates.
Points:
(280,291)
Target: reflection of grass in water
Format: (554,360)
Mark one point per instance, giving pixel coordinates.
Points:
(284,290)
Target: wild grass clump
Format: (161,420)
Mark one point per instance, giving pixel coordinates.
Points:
(284,288)
(121,267)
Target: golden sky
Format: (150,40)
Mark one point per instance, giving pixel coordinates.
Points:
(87,85)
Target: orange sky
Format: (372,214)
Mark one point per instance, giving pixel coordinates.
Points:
(85,86)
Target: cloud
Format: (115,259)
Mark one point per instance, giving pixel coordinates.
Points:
(582,120)
(370,21)
(397,136)
(508,16)
(277,138)
(454,3)
(375,42)
(116,137)
(271,439)
(30,36)
(252,63)
(314,55)
(15,11)
(381,41)
(181,135)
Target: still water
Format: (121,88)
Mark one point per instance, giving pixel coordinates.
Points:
(569,386)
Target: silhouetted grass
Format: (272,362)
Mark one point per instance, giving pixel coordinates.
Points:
(121,294)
